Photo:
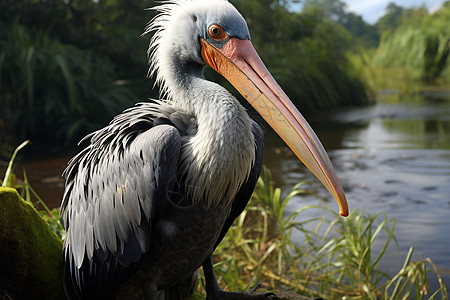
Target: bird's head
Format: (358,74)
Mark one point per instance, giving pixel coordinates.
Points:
(212,32)
(181,25)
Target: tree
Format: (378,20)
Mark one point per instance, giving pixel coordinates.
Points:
(337,11)
(420,45)
(391,19)
(413,15)
(63,61)
(332,9)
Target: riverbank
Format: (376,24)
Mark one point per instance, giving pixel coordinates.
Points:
(337,257)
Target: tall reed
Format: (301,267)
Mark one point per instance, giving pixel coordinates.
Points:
(422,51)
(336,258)
(53,92)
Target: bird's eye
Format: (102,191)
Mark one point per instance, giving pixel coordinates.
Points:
(217,33)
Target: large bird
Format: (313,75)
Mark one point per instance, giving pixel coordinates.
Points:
(155,191)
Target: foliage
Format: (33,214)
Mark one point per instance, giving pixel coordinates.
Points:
(421,51)
(9,176)
(110,28)
(392,18)
(336,258)
(336,10)
(397,16)
(439,19)
(28,194)
(307,54)
(414,49)
(54,91)
(66,67)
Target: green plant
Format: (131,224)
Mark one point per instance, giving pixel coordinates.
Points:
(421,51)
(28,194)
(336,258)
(51,91)
(308,55)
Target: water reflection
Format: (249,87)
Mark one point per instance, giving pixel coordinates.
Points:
(390,157)
(43,173)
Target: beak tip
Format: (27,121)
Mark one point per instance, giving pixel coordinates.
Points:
(343,213)
(251,83)
(339,195)
(343,208)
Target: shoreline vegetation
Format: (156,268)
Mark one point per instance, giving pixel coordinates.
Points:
(336,259)
(63,62)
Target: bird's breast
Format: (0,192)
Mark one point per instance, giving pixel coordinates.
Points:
(217,161)
(181,240)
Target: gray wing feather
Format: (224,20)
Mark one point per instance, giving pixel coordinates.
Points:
(109,197)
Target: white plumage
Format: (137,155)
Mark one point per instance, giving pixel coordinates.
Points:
(155,191)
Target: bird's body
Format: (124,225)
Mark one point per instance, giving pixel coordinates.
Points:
(156,190)
(122,154)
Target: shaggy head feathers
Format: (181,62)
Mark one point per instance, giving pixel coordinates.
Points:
(177,28)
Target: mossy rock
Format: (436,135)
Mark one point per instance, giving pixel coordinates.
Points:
(30,252)
(31,263)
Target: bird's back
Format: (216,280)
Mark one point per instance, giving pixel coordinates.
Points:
(126,210)
(114,187)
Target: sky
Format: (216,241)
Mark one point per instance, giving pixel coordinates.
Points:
(371,10)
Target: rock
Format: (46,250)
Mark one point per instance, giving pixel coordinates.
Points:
(31,264)
(30,252)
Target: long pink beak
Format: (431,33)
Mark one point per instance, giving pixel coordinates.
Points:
(239,63)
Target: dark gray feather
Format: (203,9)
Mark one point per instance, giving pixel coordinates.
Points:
(113,188)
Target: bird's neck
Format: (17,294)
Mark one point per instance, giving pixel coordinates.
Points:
(221,154)
(185,85)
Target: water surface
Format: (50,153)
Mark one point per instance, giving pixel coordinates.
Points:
(390,157)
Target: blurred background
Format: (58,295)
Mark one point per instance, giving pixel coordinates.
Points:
(373,81)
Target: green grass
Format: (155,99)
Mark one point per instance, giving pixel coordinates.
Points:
(409,59)
(29,195)
(421,51)
(336,259)
(47,86)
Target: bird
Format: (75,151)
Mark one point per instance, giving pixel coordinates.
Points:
(154,192)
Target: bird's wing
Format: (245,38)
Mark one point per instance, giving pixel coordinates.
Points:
(112,194)
(245,192)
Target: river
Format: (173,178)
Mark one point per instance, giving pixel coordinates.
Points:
(391,157)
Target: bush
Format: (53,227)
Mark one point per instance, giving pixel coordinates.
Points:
(336,259)
(53,92)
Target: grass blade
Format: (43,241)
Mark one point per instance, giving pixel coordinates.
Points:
(6,180)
